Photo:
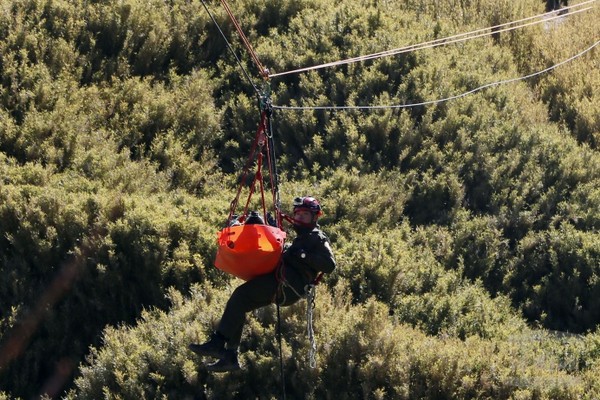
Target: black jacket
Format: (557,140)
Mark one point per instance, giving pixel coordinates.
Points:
(309,254)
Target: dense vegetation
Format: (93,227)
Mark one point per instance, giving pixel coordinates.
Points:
(466,232)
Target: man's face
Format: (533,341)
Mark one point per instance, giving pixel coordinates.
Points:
(303,216)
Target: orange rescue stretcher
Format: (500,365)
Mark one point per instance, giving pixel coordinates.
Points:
(247,251)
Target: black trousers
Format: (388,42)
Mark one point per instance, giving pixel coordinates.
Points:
(256,293)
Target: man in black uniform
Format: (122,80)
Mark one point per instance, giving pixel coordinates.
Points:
(308,255)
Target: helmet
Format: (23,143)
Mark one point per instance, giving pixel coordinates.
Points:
(308,203)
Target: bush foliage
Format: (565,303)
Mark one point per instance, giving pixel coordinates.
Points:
(466,231)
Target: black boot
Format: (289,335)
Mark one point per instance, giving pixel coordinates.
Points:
(228,362)
(215,347)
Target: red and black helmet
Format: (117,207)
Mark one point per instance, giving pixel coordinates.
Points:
(308,203)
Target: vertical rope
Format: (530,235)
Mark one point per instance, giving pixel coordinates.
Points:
(310,306)
(282,376)
(273,175)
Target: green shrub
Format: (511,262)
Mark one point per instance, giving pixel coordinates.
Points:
(111,255)
(480,251)
(361,354)
(554,278)
(115,115)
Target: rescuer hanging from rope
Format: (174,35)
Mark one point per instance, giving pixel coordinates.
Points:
(255,251)
(302,262)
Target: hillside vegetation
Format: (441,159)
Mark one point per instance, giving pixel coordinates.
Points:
(466,232)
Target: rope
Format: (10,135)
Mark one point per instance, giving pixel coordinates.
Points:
(448,40)
(264,129)
(261,69)
(281,374)
(310,306)
(310,295)
(283,283)
(271,159)
(231,49)
(424,103)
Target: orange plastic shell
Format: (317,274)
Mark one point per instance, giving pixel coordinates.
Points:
(247,251)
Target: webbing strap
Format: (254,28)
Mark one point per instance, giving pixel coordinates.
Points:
(259,137)
(263,140)
(257,178)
